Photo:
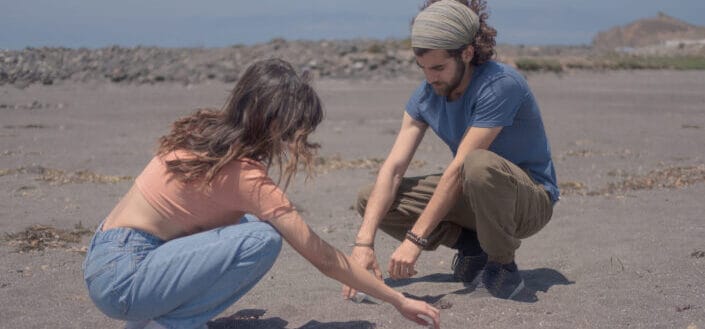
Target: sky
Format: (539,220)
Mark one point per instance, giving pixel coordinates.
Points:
(221,23)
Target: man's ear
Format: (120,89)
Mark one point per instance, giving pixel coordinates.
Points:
(468,53)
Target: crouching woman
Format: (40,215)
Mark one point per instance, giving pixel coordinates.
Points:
(203,222)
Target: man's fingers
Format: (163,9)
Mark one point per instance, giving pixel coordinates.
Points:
(394,269)
(378,273)
(399,270)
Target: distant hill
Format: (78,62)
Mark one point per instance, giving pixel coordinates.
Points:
(646,32)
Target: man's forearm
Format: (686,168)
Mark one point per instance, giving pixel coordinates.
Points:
(374,212)
(378,205)
(444,197)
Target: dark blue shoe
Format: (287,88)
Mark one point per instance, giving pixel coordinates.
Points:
(502,280)
(467,268)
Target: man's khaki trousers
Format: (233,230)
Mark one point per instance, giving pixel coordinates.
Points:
(499,201)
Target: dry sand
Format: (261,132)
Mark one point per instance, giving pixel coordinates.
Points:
(614,256)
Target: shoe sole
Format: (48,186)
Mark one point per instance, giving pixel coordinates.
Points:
(478,278)
(478,283)
(518,289)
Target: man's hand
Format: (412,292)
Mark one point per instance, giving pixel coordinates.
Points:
(401,264)
(365,256)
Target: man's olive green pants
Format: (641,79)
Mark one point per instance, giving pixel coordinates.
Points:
(499,201)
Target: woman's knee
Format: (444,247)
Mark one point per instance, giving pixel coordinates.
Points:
(273,239)
(269,241)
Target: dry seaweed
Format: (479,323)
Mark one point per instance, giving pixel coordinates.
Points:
(667,178)
(572,188)
(5,172)
(584,153)
(337,163)
(40,237)
(60,177)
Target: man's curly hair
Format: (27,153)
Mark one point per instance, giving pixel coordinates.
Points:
(484,41)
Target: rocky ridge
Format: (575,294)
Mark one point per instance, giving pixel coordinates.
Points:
(662,31)
(333,59)
(337,59)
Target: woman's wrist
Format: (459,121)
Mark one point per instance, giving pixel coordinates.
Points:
(364,239)
(370,245)
(397,300)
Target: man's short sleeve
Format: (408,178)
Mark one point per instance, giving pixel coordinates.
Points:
(414,105)
(497,103)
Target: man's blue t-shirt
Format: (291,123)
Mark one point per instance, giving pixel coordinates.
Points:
(498,96)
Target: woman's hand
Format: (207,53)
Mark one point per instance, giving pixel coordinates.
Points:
(365,256)
(336,265)
(420,312)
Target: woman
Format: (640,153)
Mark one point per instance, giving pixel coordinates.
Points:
(178,249)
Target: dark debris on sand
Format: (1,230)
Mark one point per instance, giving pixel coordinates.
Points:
(666,178)
(40,237)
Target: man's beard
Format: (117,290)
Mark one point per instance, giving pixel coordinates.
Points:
(445,89)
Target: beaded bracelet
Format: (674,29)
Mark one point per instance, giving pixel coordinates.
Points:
(417,240)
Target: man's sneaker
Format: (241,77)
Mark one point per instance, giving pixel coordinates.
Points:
(467,268)
(502,280)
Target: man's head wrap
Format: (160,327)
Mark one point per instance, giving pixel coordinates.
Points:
(446,24)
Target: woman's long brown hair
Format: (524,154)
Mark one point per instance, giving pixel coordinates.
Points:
(268,118)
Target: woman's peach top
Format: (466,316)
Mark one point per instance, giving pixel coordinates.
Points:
(241,186)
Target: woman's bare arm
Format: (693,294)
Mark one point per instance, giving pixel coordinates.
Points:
(336,265)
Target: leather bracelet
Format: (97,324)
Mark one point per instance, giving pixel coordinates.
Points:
(417,240)
(368,245)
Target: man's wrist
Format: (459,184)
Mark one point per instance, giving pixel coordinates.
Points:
(417,240)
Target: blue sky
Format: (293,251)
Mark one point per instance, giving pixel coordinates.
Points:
(216,23)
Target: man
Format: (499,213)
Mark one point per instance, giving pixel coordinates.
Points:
(500,186)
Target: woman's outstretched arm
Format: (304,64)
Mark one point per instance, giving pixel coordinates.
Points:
(336,265)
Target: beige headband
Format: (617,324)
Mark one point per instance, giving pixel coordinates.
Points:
(446,24)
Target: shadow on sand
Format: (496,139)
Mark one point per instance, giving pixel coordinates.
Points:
(540,279)
(252,319)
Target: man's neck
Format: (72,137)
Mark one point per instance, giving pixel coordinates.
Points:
(464,83)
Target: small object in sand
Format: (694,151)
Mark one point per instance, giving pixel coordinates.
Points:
(361,297)
(443,304)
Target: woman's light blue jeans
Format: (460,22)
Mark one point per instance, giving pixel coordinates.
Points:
(132,275)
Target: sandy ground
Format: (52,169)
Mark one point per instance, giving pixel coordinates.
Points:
(625,256)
